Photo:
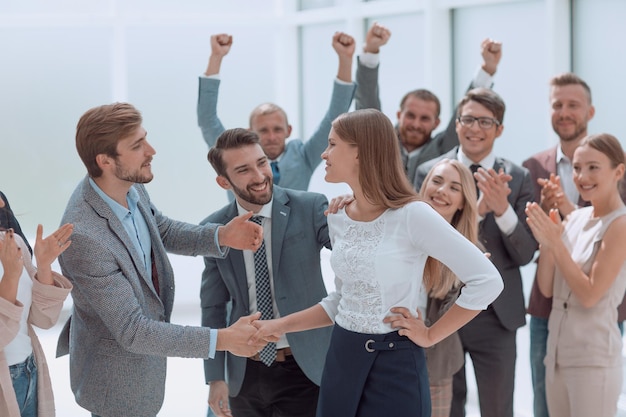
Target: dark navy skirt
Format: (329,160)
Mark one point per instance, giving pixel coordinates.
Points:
(373,375)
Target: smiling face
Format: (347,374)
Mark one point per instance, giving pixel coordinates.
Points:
(341,158)
(249,175)
(594,176)
(571,111)
(416,121)
(444,190)
(134,156)
(273,131)
(475,141)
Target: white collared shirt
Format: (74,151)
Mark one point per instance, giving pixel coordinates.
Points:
(565,170)
(248,259)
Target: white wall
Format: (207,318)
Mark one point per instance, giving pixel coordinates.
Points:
(61,57)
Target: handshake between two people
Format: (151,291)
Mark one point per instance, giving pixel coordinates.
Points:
(248,335)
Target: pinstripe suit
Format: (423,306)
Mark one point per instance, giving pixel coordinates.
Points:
(119,334)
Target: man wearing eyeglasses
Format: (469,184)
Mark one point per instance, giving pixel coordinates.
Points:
(418,116)
(504,189)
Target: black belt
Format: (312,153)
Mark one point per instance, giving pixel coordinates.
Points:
(372,346)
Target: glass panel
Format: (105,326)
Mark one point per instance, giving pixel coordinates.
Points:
(401,64)
(55,6)
(197,6)
(319,70)
(315,4)
(50,76)
(521,79)
(598,62)
(163,84)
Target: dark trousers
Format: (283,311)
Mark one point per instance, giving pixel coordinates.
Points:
(280,390)
(493,351)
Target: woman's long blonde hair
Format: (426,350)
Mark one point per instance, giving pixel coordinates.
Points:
(438,279)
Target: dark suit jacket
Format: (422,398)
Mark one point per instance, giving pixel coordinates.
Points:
(119,335)
(541,165)
(299,231)
(508,252)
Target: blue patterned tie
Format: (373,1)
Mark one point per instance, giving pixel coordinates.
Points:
(263,295)
(275,172)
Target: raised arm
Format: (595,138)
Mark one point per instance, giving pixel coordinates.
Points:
(344,45)
(367,93)
(208,121)
(220,46)
(491,52)
(343,91)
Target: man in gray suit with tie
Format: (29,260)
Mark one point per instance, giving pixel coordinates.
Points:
(119,335)
(282,277)
(504,190)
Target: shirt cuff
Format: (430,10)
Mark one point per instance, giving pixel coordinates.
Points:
(370,60)
(212,343)
(341,82)
(482,79)
(212,76)
(507,221)
(223,250)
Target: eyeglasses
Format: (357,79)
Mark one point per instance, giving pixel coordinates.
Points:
(483,122)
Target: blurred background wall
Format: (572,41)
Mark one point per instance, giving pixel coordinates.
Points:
(61,57)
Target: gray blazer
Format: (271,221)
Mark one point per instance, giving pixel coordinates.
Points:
(300,158)
(508,252)
(119,333)
(299,231)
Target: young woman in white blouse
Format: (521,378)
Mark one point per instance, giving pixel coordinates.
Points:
(375,364)
(28,296)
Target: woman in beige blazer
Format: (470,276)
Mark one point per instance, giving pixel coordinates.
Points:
(583,268)
(28,296)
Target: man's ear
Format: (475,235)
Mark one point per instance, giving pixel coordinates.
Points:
(223,182)
(499,130)
(591,113)
(103,161)
(289,128)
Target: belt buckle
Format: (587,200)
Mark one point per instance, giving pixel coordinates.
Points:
(367,345)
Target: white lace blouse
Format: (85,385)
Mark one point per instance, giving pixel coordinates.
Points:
(379,265)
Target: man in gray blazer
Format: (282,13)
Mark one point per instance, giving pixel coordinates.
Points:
(504,190)
(119,334)
(295,230)
(418,115)
(293,162)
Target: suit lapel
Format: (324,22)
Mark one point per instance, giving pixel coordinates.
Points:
(550,164)
(497,164)
(280,218)
(103,210)
(155,236)
(235,257)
